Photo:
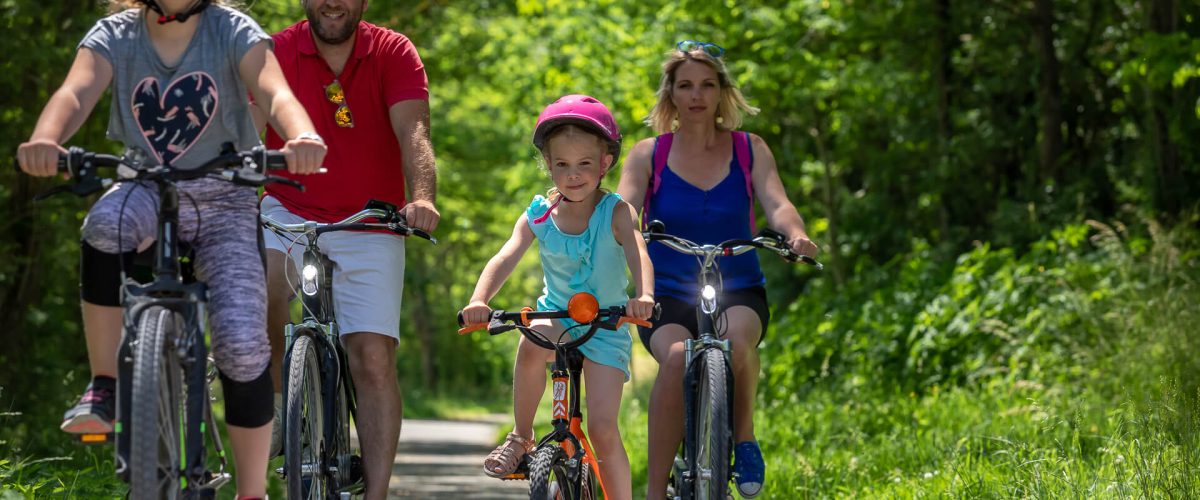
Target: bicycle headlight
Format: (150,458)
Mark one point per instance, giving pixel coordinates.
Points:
(708,292)
(308,277)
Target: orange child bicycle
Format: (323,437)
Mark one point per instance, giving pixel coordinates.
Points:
(563,465)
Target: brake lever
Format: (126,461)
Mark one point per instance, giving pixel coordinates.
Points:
(84,186)
(496,327)
(272,179)
(52,191)
(422,234)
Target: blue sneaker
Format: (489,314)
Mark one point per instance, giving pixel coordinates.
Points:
(749,468)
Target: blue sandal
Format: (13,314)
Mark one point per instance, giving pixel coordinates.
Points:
(749,468)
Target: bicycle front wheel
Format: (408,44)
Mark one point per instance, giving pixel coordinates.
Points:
(548,475)
(712,432)
(157,416)
(303,423)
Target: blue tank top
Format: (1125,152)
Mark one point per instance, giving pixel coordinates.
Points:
(710,217)
(590,262)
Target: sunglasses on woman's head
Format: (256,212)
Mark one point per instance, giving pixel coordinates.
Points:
(711,49)
(337,95)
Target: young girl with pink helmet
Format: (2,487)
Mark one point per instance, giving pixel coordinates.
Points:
(584,233)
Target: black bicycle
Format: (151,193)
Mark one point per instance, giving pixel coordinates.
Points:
(702,470)
(164,371)
(562,466)
(319,402)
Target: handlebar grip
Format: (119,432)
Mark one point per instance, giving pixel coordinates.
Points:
(275,160)
(465,329)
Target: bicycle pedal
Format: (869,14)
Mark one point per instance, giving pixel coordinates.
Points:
(516,476)
(94,438)
(216,481)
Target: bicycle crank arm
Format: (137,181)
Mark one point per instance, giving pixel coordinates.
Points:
(216,481)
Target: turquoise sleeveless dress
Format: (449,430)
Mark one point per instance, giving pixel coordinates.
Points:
(590,262)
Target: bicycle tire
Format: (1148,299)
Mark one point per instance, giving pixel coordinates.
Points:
(548,479)
(157,416)
(304,440)
(349,476)
(710,465)
(589,486)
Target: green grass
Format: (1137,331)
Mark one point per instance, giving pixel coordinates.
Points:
(1066,372)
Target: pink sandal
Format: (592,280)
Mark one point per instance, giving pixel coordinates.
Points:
(504,460)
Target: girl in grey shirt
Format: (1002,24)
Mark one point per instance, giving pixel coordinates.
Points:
(180,71)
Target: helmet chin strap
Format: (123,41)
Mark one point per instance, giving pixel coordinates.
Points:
(181,16)
(561,198)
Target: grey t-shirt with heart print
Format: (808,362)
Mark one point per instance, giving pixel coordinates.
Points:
(179,114)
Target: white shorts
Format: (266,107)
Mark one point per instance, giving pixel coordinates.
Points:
(368,272)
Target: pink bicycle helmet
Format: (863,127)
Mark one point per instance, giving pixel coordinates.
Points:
(582,110)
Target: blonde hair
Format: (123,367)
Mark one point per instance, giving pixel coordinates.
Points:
(115,6)
(730,106)
(572,130)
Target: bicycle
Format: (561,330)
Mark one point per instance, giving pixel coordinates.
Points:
(319,402)
(563,464)
(703,470)
(163,359)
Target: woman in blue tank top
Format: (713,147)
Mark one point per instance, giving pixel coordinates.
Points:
(702,177)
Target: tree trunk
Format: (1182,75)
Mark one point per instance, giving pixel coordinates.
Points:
(420,317)
(1049,93)
(944,43)
(1162,17)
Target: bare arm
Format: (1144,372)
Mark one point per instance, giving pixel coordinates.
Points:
(781,213)
(497,271)
(410,122)
(65,112)
(630,239)
(635,175)
(261,73)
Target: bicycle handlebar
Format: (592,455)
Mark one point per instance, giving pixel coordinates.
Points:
(766,239)
(386,213)
(82,165)
(503,321)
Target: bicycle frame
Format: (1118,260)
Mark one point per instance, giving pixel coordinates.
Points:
(187,300)
(707,311)
(320,324)
(168,290)
(566,410)
(567,414)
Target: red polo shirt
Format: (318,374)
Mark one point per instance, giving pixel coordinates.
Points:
(363,161)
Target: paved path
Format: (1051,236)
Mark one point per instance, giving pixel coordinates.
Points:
(443,459)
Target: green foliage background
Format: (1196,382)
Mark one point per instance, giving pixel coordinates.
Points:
(1005,193)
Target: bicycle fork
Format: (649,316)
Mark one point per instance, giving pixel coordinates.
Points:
(567,419)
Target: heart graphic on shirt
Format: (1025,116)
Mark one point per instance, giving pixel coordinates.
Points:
(173,119)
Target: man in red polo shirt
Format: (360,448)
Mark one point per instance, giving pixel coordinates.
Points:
(365,88)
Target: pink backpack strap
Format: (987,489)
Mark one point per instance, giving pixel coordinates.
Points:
(662,149)
(745,159)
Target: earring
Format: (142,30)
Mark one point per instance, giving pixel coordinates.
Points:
(720,120)
(675,123)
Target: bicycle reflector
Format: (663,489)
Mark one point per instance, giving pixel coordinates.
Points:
(583,307)
(309,278)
